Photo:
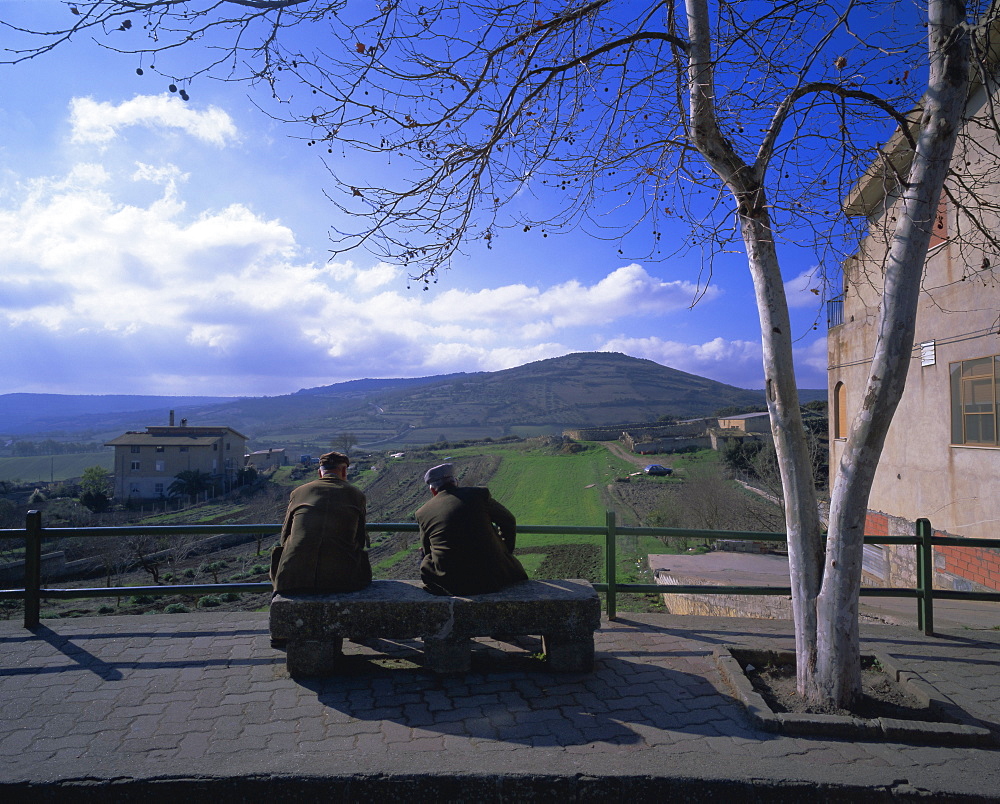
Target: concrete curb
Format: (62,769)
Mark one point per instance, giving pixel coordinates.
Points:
(731,661)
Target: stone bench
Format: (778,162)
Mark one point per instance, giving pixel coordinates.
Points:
(565,613)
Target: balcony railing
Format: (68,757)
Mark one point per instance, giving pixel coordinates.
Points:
(835,312)
(924,539)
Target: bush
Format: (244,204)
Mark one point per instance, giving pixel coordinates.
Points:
(177,608)
(105,609)
(209,602)
(229,597)
(168,577)
(189,573)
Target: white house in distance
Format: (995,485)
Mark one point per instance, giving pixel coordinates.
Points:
(942,455)
(264,459)
(146,463)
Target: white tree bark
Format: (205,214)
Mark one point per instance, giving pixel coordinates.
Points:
(746,184)
(825,595)
(838,676)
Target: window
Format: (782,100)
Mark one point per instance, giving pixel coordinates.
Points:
(160,449)
(160,465)
(184,449)
(975,388)
(134,449)
(215,447)
(840,411)
(135,466)
(158,488)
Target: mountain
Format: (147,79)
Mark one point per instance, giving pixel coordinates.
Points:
(592,388)
(20,412)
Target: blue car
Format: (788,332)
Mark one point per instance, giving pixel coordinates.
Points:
(659,471)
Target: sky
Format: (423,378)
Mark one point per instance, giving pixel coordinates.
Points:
(157,246)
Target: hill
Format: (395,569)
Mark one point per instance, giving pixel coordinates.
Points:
(541,397)
(30,413)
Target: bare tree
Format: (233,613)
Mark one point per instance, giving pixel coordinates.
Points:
(345,442)
(749,121)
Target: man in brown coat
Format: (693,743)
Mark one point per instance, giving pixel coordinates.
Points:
(467,537)
(323,539)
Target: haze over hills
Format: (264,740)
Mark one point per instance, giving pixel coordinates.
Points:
(583,389)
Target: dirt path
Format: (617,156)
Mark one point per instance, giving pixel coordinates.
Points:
(624,454)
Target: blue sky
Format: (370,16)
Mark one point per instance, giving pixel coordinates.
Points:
(156,246)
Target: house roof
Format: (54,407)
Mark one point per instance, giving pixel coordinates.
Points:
(198,429)
(146,439)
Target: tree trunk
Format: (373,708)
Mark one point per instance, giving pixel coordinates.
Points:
(790,443)
(838,672)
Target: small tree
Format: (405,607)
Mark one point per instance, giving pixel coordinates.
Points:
(190,483)
(95,488)
(344,442)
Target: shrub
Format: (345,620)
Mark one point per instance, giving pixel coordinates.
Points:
(229,597)
(209,602)
(168,577)
(177,608)
(105,609)
(189,573)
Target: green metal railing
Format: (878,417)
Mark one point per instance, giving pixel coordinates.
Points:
(923,539)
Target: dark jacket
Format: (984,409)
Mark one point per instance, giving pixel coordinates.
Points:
(463,552)
(323,540)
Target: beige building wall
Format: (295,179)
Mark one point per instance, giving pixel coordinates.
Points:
(923,473)
(147,463)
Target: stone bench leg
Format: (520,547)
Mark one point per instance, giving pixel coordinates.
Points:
(569,653)
(448,655)
(312,658)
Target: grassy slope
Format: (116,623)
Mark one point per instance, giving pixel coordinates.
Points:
(53,467)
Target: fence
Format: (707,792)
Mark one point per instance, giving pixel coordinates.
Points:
(924,540)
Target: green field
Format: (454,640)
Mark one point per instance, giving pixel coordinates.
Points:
(543,488)
(48,468)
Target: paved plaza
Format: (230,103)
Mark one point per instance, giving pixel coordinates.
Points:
(200,706)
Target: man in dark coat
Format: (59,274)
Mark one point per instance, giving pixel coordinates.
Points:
(323,539)
(467,537)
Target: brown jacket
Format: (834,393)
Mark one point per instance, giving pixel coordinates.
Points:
(463,553)
(323,540)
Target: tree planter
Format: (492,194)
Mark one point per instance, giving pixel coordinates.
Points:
(946,723)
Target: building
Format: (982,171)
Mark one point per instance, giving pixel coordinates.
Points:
(146,463)
(264,459)
(941,459)
(747,422)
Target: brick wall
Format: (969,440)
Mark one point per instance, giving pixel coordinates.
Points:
(965,569)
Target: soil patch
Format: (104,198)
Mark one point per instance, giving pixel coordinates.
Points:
(569,561)
(882,696)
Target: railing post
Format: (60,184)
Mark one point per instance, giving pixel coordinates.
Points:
(611,570)
(32,568)
(925,577)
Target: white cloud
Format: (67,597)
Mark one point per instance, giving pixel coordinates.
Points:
(811,361)
(805,290)
(100,123)
(152,296)
(735,362)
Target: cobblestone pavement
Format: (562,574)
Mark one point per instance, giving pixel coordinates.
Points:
(204,697)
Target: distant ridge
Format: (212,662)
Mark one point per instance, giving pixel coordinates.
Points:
(580,389)
(18,410)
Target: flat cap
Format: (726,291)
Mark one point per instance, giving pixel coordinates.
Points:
(334,459)
(439,474)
